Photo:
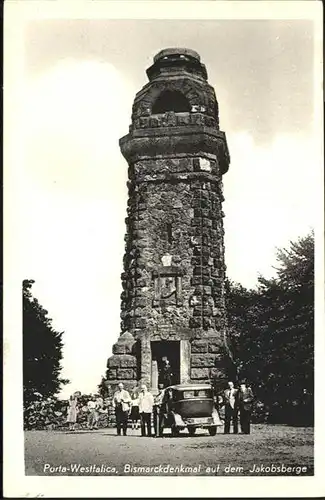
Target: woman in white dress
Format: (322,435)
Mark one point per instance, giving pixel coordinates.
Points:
(72,412)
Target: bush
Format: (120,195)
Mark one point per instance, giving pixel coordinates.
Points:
(260,413)
(51,413)
(44,413)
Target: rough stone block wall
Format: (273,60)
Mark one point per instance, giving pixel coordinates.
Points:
(208,269)
(177,193)
(123,365)
(161,193)
(176,162)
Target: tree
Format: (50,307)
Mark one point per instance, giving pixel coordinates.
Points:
(271,331)
(290,347)
(241,305)
(42,349)
(103,388)
(296,266)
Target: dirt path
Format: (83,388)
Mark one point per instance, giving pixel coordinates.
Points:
(103,453)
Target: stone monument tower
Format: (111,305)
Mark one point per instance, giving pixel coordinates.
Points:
(172,305)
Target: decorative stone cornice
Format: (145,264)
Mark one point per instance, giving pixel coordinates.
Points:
(178,177)
(192,140)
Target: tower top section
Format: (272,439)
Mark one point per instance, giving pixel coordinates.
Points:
(177,59)
(176,113)
(176,51)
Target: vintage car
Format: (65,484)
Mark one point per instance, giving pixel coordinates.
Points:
(188,406)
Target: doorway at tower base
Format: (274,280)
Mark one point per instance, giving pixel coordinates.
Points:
(156,354)
(199,359)
(162,352)
(191,361)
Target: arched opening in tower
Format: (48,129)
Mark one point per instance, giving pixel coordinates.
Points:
(170,100)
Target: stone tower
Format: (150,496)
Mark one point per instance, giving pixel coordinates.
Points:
(172,302)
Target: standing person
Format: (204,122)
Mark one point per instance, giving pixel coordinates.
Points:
(231,409)
(244,403)
(135,414)
(121,404)
(157,417)
(146,402)
(99,409)
(92,417)
(72,412)
(165,373)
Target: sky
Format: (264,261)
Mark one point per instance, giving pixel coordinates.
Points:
(78,84)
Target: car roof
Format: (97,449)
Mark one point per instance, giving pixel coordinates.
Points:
(189,387)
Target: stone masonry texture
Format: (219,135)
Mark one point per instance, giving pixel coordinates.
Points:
(174,271)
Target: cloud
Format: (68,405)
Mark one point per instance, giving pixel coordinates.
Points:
(73,193)
(260,69)
(74,115)
(271,197)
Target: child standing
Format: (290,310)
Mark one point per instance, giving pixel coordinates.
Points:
(135,415)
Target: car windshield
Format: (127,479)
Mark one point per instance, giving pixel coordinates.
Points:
(197,393)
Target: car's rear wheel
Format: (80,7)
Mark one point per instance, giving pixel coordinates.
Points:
(191,430)
(213,431)
(175,431)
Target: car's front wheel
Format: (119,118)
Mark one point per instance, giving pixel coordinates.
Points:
(213,431)
(191,430)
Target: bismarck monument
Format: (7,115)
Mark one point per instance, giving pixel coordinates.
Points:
(173,281)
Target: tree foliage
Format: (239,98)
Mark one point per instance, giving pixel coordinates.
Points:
(104,388)
(42,349)
(272,333)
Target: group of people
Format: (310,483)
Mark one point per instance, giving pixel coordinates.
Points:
(139,405)
(94,406)
(237,401)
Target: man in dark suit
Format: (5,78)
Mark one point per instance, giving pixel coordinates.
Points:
(231,411)
(157,415)
(165,373)
(244,404)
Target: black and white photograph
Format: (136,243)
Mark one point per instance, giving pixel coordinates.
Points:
(163,205)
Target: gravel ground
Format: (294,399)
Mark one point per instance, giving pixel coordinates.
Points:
(101,452)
